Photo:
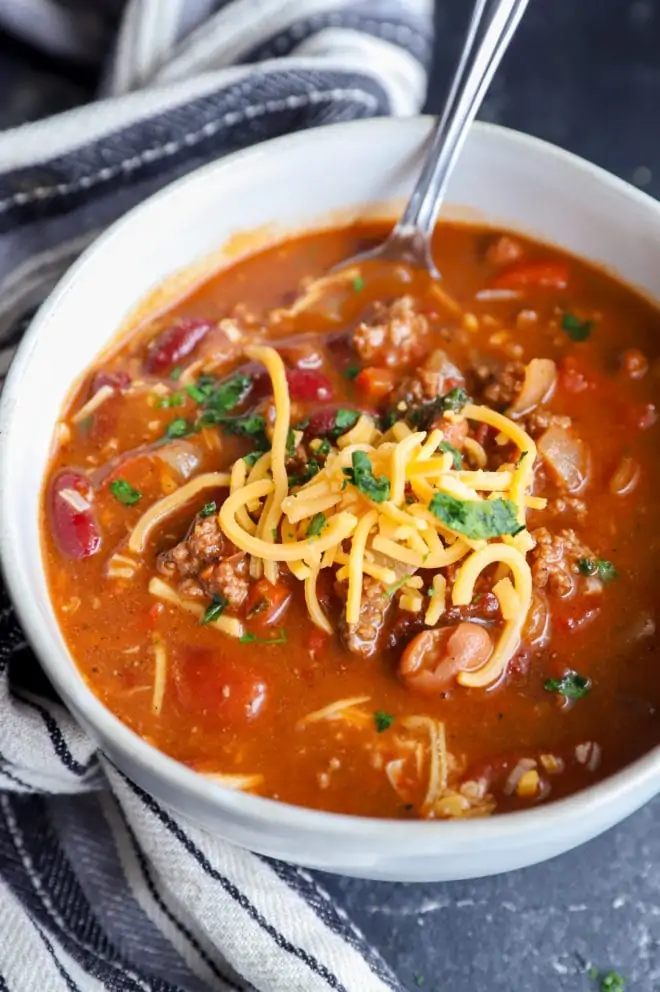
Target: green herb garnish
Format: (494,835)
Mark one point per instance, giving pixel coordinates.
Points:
(208,509)
(175,374)
(312,468)
(344,420)
(521,457)
(477,519)
(253,639)
(124,492)
(215,609)
(383,720)
(324,447)
(358,284)
(612,982)
(387,420)
(598,566)
(390,590)
(316,525)
(457,457)
(577,330)
(178,428)
(251,425)
(362,477)
(252,458)
(571,685)
(451,402)
(352,372)
(174,399)
(290,443)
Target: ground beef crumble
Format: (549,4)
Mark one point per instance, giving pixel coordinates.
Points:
(499,386)
(206,564)
(555,560)
(394,335)
(435,377)
(362,638)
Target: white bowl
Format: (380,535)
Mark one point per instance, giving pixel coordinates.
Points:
(295,183)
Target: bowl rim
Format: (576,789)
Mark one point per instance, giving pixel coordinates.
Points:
(640,777)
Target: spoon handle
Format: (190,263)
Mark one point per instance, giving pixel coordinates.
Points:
(492,26)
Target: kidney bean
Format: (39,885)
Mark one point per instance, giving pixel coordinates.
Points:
(74,527)
(176,343)
(324,422)
(308,384)
(119,379)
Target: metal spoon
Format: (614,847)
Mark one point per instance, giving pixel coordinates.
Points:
(492,27)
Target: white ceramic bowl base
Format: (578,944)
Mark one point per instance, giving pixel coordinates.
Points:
(295,184)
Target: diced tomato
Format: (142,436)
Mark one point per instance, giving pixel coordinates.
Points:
(308,384)
(528,275)
(642,416)
(221,690)
(572,377)
(176,343)
(71,516)
(119,379)
(266,603)
(376,383)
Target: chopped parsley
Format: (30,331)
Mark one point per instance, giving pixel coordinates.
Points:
(251,425)
(383,720)
(174,399)
(179,427)
(215,609)
(250,638)
(571,686)
(208,509)
(605,570)
(175,374)
(252,458)
(577,330)
(476,519)
(612,982)
(362,477)
(223,397)
(457,457)
(454,400)
(521,458)
(451,402)
(316,524)
(344,420)
(352,372)
(312,468)
(124,492)
(358,284)
(291,443)
(324,447)
(390,590)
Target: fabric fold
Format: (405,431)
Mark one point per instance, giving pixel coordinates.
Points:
(102,888)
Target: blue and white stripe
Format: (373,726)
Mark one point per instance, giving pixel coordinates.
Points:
(100,887)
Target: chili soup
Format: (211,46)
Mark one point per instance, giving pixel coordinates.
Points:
(373,543)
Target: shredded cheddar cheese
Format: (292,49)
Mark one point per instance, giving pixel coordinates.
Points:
(378,505)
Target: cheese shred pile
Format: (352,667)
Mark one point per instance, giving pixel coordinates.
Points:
(333,522)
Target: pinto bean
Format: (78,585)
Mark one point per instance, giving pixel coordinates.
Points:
(434,658)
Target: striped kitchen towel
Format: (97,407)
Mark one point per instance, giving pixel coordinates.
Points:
(100,887)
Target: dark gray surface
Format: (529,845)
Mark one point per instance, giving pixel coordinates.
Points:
(584,74)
